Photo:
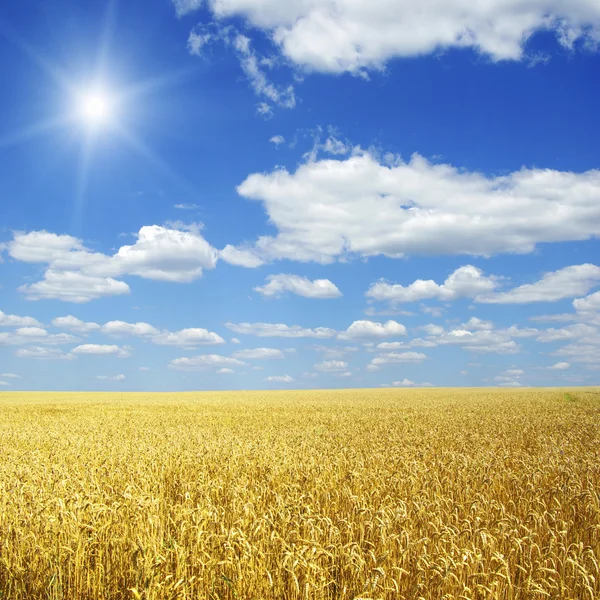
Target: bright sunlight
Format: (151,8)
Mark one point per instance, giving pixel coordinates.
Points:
(95,107)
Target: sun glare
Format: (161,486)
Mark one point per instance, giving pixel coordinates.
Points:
(95,108)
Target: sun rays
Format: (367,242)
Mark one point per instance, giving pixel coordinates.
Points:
(96,109)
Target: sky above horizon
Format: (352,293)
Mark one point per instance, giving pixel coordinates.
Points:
(256,194)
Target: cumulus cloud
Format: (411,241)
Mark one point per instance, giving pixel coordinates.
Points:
(330,209)
(41,353)
(277,140)
(465,282)
(469,282)
(279,379)
(557,285)
(119,377)
(10,376)
(71,323)
(477,335)
(560,366)
(408,383)
(371,329)
(72,286)
(390,345)
(588,304)
(280,330)
(121,328)
(102,350)
(259,353)
(34,335)
(76,274)
(225,371)
(192,336)
(301,286)
(356,35)
(577,330)
(205,362)
(240,257)
(16,321)
(388,358)
(331,366)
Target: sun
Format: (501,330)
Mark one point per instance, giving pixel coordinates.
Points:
(95,107)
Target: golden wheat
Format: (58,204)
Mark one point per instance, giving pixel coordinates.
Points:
(379,494)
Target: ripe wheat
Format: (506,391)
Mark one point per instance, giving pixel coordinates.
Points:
(378,494)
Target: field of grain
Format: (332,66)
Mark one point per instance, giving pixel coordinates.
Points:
(382,494)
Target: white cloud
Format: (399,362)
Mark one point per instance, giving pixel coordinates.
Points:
(76,274)
(434,311)
(184,206)
(277,140)
(235,341)
(514,372)
(4,383)
(387,312)
(590,303)
(16,321)
(264,110)
(34,335)
(185,6)
(72,286)
(331,366)
(10,376)
(506,382)
(465,282)
(144,368)
(469,282)
(577,330)
(240,257)
(41,353)
(250,62)
(120,328)
(560,366)
(71,323)
(119,377)
(259,353)
(280,330)
(193,336)
(421,343)
(564,283)
(408,383)
(334,146)
(356,35)
(102,350)
(475,324)
(477,335)
(279,379)
(390,345)
(225,371)
(389,358)
(370,329)
(253,65)
(204,362)
(432,329)
(301,286)
(330,209)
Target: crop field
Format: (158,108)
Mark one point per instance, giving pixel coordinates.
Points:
(341,494)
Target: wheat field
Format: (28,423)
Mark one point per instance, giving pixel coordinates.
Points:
(340,494)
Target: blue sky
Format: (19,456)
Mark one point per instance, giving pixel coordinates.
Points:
(244,194)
